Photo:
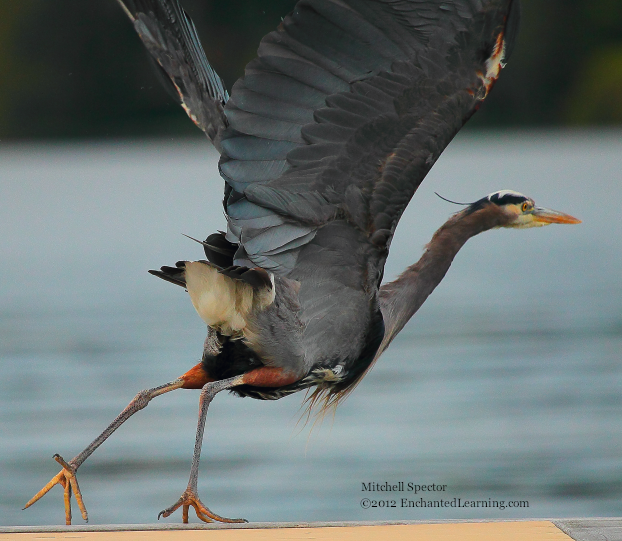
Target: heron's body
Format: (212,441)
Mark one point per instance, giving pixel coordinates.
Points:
(323,143)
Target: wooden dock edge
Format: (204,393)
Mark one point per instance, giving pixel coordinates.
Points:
(575,529)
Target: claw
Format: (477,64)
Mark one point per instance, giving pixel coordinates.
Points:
(190,498)
(68,480)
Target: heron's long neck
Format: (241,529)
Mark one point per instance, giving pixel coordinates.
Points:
(400,299)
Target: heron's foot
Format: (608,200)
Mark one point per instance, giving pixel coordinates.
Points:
(191,498)
(68,480)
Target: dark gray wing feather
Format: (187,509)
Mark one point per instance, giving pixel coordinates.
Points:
(342,115)
(171,38)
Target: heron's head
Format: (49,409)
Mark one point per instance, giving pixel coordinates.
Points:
(519,211)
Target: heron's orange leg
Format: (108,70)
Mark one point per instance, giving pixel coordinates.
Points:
(67,476)
(261,377)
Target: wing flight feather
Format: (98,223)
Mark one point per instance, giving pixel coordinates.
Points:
(345,110)
(171,38)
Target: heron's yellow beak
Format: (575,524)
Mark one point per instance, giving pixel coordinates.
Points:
(548,216)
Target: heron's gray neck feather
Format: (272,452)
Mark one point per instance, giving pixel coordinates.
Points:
(400,299)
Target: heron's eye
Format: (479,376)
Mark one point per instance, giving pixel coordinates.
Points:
(525,206)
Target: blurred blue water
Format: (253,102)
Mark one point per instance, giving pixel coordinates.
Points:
(505,385)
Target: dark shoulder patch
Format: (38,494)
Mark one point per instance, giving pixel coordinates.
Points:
(257,278)
(219,250)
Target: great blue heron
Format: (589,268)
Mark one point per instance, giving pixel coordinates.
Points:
(323,143)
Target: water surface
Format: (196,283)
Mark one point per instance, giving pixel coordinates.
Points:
(506,385)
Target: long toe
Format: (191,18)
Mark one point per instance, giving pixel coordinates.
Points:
(68,480)
(191,499)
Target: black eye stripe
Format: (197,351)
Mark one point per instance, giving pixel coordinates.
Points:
(508,199)
(501,198)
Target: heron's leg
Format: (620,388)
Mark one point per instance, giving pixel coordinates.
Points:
(261,377)
(67,476)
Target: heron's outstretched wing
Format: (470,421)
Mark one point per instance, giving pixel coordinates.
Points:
(345,110)
(171,39)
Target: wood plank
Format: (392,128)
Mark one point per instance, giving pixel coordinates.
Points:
(472,531)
